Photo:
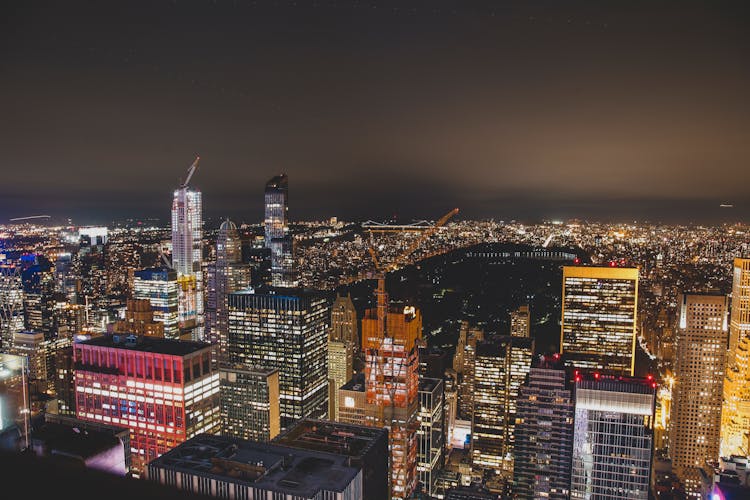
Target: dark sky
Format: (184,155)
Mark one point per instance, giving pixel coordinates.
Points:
(512,110)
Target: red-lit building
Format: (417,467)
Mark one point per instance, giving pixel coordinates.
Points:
(164,391)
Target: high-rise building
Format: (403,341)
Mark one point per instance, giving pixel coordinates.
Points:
(38,296)
(287,332)
(390,343)
(228,274)
(249,402)
(613,437)
(340,361)
(11,303)
(463,364)
(187,256)
(225,467)
(160,287)
(599,313)
(520,322)
(431,433)
(351,401)
(699,382)
(278,239)
(735,437)
(544,436)
(344,325)
(501,366)
(366,447)
(164,391)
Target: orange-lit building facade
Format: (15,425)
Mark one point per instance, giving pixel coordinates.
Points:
(164,391)
(392,385)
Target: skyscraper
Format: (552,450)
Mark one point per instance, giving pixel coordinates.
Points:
(228,274)
(187,255)
(288,333)
(249,402)
(501,366)
(544,436)
(464,365)
(340,358)
(431,434)
(164,391)
(613,437)
(278,239)
(389,340)
(599,313)
(699,382)
(160,287)
(11,303)
(520,322)
(735,439)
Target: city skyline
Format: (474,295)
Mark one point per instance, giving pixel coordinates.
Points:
(529,111)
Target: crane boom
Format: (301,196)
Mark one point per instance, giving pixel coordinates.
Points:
(191,171)
(425,234)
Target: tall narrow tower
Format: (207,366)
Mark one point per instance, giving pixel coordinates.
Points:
(699,374)
(228,274)
(187,255)
(278,239)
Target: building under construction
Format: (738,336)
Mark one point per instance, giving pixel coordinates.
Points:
(392,385)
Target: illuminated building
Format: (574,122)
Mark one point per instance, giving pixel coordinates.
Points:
(544,436)
(277,236)
(501,366)
(139,320)
(431,433)
(736,412)
(11,303)
(187,257)
(228,274)
(663,418)
(391,384)
(351,401)
(697,397)
(288,333)
(249,403)
(31,345)
(160,287)
(599,313)
(463,364)
(164,391)
(366,447)
(340,359)
(38,296)
(613,437)
(520,322)
(451,405)
(225,467)
(344,321)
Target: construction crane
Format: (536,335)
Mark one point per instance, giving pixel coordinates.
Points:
(191,170)
(387,349)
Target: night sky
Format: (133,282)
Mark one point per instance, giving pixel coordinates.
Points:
(512,110)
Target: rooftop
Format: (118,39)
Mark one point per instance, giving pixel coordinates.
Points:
(270,466)
(332,437)
(148,344)
(357,383)
(74,441)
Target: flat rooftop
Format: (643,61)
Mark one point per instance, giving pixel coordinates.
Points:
(148,344)
(356,384)
(84,443)
(332,437)
(269,466)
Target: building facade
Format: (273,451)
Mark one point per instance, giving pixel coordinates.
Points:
(164,391)
(286,332)
(544,436)
(187,259)
(277,237)
(431,433)
(599,311)
(520,322)
(613,437)
(249,403)
(160,287)
(695,418)
(501,366)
